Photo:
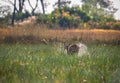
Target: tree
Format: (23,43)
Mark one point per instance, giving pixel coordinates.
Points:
(33,8)
(4,10)
(72,17)
(4,15)
(13,15)
(43,7)
(59,7)
(98,8)
(60,4)
(21,4)
(16,9)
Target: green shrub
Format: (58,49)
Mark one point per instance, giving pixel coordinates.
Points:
(41,19)
(46,19)
(65,21)
(22,16)
(4,21)
(71,17)
(116,26)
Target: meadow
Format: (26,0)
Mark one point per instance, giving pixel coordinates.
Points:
(41,63)
(32,54)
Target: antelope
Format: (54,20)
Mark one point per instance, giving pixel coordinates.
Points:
(77,48)
(72,49)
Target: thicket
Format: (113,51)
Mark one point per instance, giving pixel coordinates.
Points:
(77,18)
(70,18)
(5,21)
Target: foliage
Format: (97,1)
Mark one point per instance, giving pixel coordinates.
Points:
(116,26)
(75,17)
(4,15)
(71,17)
(46,19)
(4,10)
(65,21)
(97,9)
(77,12)
(22,16)
(42,19)
(5,21)
(92,14)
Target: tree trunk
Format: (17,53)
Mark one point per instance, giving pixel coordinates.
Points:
(21,4)
(59,7)
(33,8)
(13,16)
(43,8)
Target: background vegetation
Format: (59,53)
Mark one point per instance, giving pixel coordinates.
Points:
(92,14)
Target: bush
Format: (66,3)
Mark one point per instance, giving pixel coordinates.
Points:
(71,17)
(46,19)
(65,22)
(22,16)
(4,21)
(116,26)
(42,19)
(76,11)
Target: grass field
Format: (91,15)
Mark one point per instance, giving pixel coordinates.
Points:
(38,63)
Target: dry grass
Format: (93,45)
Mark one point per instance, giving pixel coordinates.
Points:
(3,34)
(31,34)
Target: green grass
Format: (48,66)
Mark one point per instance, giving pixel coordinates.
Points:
(20,63)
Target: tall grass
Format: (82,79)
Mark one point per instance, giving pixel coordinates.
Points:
(20,63)
(36,34)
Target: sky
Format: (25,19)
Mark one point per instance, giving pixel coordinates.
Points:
(52,2)
(50,8)
(117,5)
